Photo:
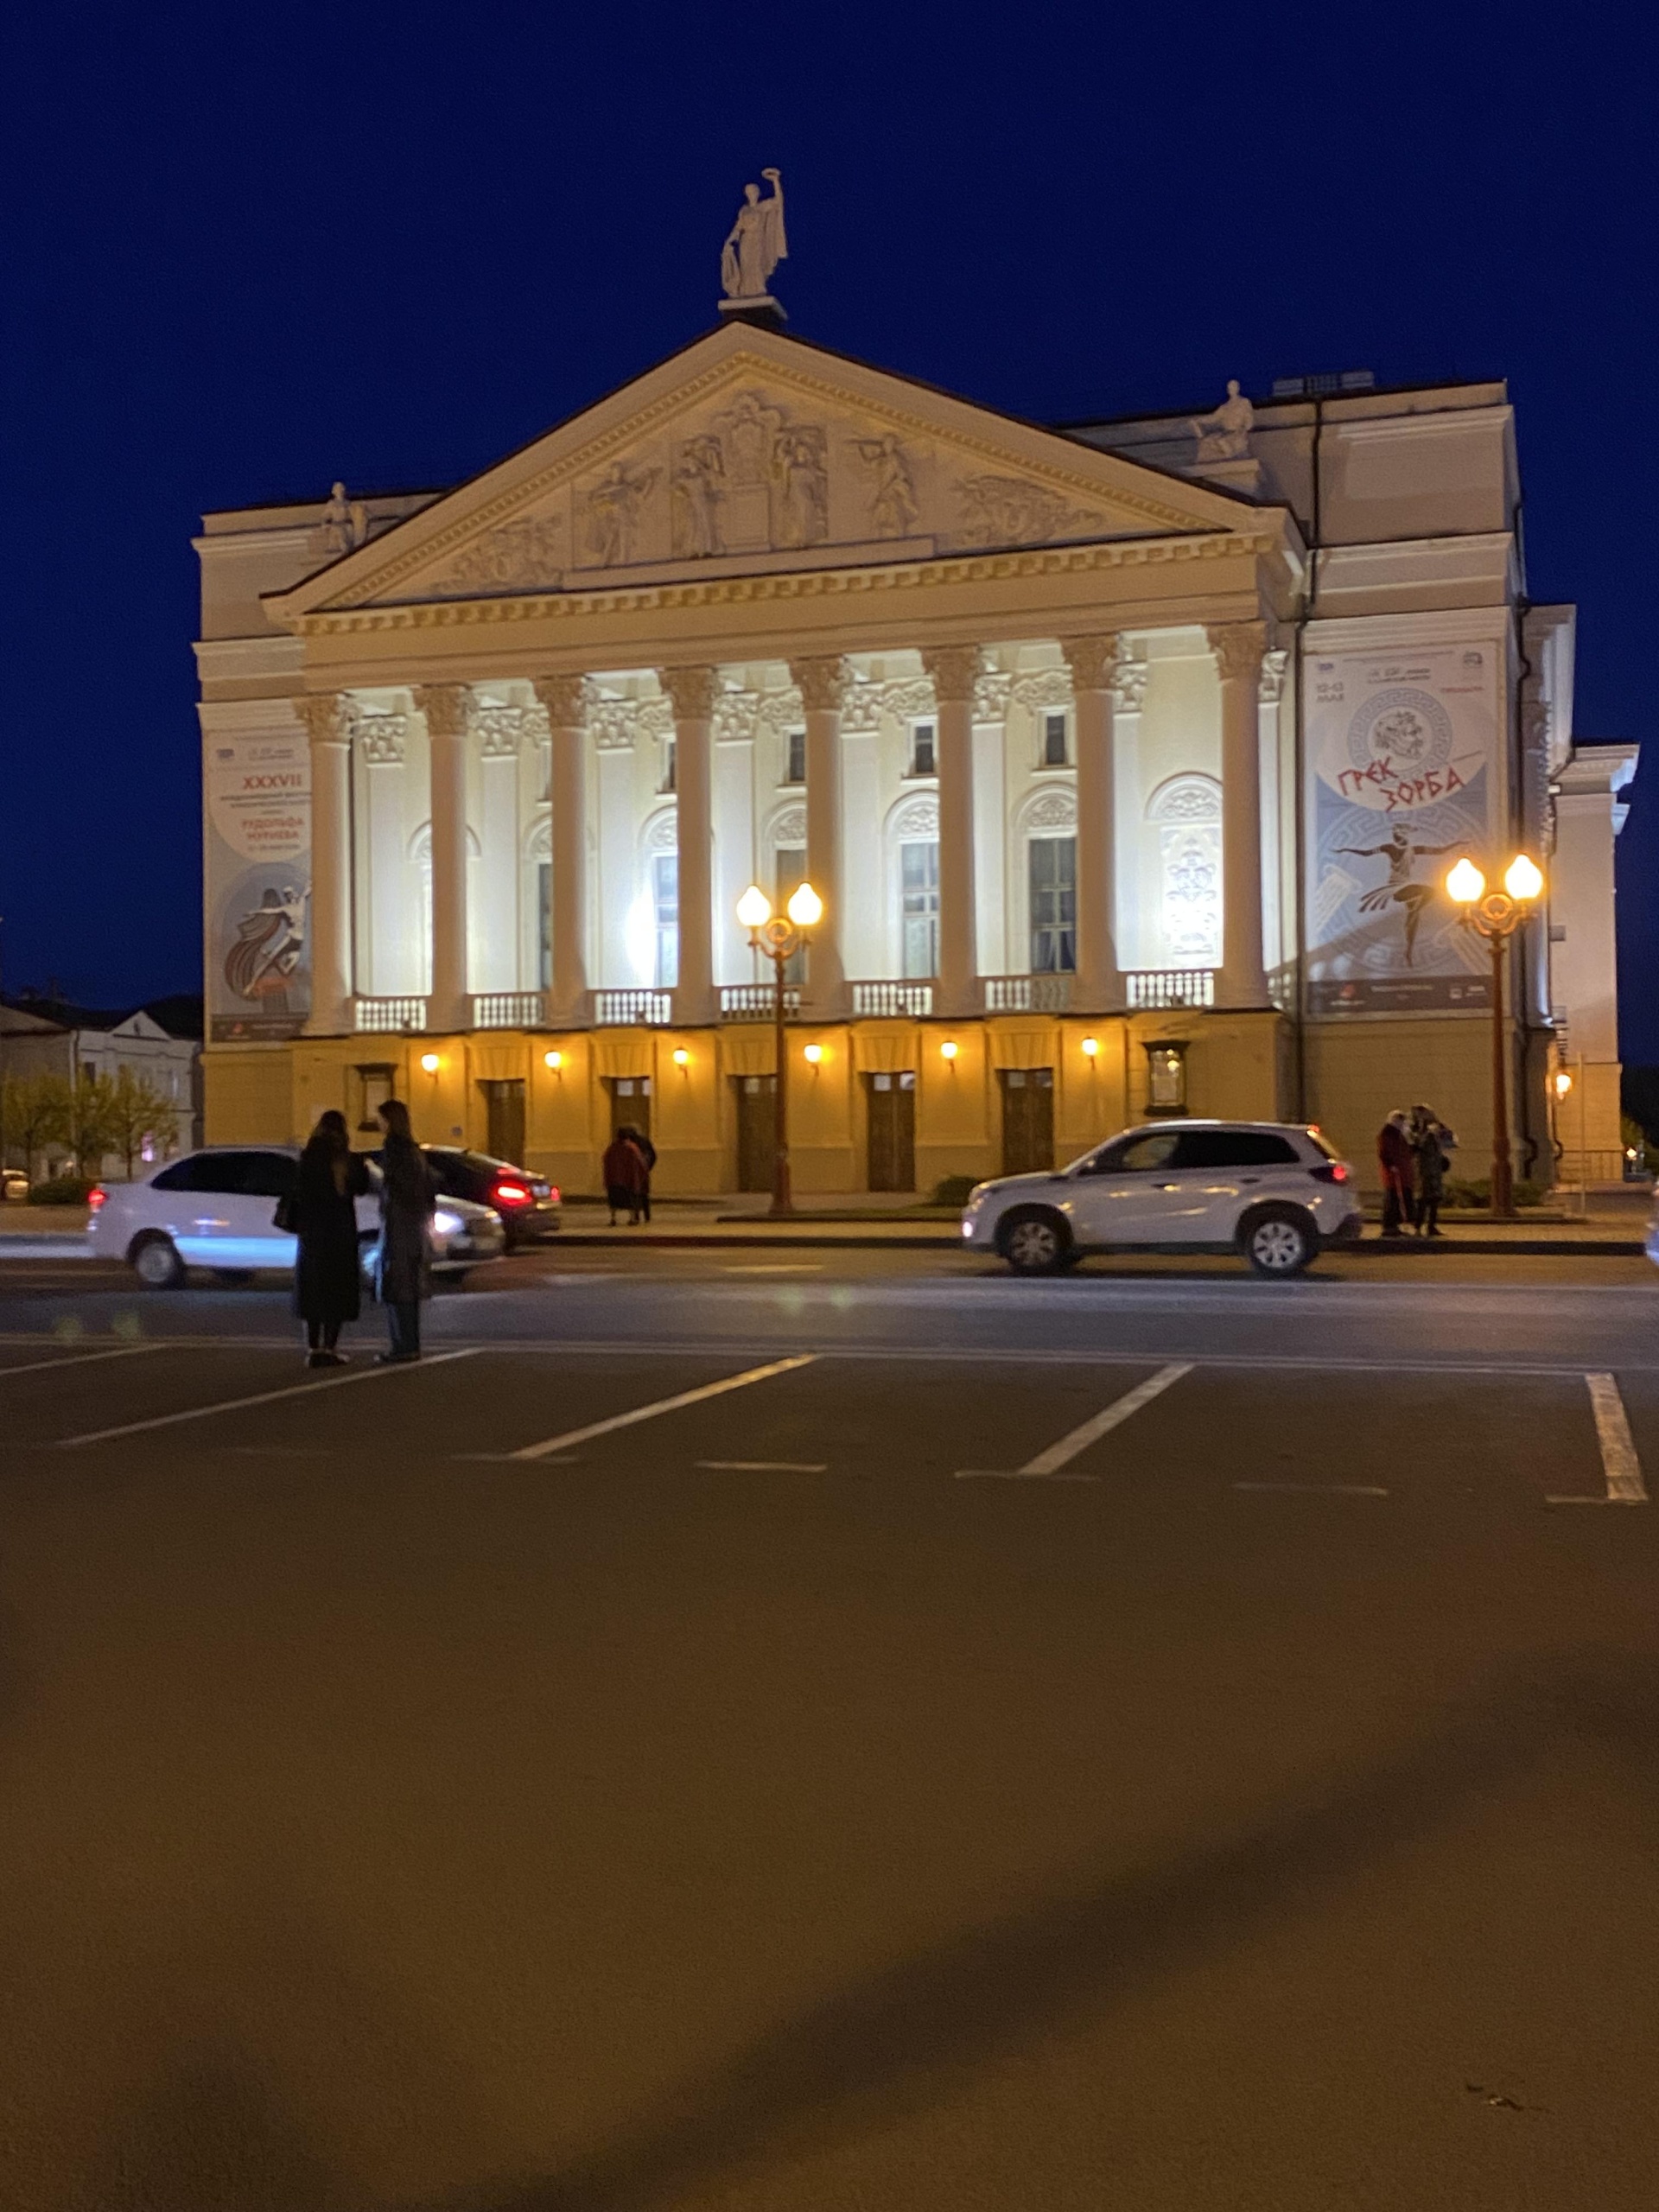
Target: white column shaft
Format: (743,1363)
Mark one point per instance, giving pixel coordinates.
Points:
(822,686)
(446,744)
(692,691)
(568,792)
(1243,980)
(1099,986)
(958,935)
(331,867)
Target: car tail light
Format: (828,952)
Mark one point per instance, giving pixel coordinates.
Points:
(553,1197)
(510,1194)
(1333,1171)
(96,1197)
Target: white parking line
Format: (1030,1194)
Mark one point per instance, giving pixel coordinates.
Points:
(78,1359)
(1322,1489)
(266,1397)
(1049,1463)
(661,1405)
(765,1466)
(1619,1464)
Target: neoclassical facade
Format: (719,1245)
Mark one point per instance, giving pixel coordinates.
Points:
(1035,711)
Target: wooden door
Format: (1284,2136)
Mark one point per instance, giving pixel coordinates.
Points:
(892,1152)
(757,1130)
(1027,1120)
(505,1105)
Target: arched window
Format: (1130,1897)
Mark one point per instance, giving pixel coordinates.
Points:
(539,852)
(1048,825)
(1187,813)
(913,865)
(661,843)
(786,844)
(420,854)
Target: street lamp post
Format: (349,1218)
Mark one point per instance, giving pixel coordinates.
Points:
(780,936)
(1496,916)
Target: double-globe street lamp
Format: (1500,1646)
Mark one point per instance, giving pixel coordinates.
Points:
(1497,915)
(780,936)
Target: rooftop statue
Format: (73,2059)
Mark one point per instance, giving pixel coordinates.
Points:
(345,522)
(756,245)
(1225,436)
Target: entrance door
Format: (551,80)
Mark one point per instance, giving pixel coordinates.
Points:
(757,1130)
(1027,1120)
(630,1103)
(892,1160)
(505,1103)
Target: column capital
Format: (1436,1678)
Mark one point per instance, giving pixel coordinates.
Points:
(821,683)
(325,716)
(564,698)
(448,708)
(1093,661)
(955,671)
(1239,647)
(691,691)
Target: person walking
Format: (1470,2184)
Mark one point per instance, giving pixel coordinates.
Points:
(408,1197)
(322,1213)
(1432,1144)
(1394,1153)
(626,1177)
(647,1152)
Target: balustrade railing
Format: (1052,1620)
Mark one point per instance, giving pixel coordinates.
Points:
(757,1002)
(389,1016)
(1152,988)
(625,1010)
(1047,994)
(872,1001)
(507,1010)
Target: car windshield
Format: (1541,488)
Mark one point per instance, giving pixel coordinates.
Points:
(1323,1142)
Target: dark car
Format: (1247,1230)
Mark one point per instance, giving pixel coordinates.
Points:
(529,1205)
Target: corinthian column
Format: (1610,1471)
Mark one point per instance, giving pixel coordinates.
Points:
(955,671)
(565,698)
(1238,648)
(1093,661)
(329,727)
(692,691)
(822,688)
(447,708)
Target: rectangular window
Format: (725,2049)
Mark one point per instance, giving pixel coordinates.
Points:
(919,865)
(795,765)
(668,765)
(665,899)
(1054,754)
(791,861)
(1053,880)
(923,752)
(544,924)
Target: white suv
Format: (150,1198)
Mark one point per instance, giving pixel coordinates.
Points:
(214,1209)
(1273,1190)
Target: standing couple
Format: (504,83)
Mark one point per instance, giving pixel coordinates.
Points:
(627,1169)
(322,1214)
(1415,1151)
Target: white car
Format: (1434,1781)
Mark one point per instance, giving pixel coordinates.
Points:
(213,1209)
(1275,1192)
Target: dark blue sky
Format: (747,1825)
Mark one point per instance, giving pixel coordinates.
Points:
(252,250)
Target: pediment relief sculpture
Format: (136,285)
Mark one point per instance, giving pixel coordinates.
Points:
(1018,511)
(519,556)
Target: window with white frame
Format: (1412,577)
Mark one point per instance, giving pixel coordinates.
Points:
(1054,753)
(544,924)
(795,756)
(918,896)
(1187,811)
(923,750)
(668,782)
(665,907)
(1052,867)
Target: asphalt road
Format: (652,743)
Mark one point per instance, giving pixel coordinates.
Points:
(834,1731)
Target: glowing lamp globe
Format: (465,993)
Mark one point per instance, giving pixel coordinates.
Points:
(555,1060)
(813,1053)
(1091,1047)
(430,1063)
(1466,883)
(948,1050)
(755,908)
(1523,879)
(806,909)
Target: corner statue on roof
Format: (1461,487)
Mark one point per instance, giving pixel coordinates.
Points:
(756,244)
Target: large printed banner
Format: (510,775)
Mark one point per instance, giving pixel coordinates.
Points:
(258,861)
(1404,774)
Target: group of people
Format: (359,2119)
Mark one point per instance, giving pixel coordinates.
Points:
(321,1213)
(629,1160)
(1415,1152)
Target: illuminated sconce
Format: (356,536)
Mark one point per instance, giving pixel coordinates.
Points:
(682,1058)
(554,1060)
(1090,1047)
(1563,1083)
(948,1050)
(430,1063)
(813,1054)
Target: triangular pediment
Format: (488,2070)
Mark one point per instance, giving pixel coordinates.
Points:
(749,451)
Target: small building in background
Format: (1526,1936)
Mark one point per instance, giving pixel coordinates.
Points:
(160,1041)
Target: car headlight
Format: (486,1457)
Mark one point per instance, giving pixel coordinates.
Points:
(447,1223)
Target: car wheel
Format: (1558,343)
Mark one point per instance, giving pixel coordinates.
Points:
(1035,1243)
(1279,1241)
(156,1264)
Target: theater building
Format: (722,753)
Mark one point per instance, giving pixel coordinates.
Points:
(1128,759)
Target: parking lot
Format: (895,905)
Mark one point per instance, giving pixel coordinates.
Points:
(872,1732)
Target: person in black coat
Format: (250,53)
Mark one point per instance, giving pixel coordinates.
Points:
(323,1215)
(408,1198)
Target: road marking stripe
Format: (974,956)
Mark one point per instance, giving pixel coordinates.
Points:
(79,1359)
(765,1466)
(1048,1464)
(661,1405)
(1619,1464)
(266,1397)
(1324,1490)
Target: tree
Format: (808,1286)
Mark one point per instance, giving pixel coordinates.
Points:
(126,1112)
(35,1110)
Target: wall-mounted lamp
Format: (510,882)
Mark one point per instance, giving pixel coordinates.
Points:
(430,1063)
(813,1054)
(554,1060)
(1563,1083)
(948,1050)
(1090,1047)
(682,1058)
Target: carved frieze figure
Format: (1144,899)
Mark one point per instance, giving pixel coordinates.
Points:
(613,507)
(892,497)
(345,522)
(698,488)
(1010,510)
(803,487)
(756,244)
(1225,434)
(750,426)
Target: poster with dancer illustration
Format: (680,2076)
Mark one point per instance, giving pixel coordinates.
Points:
(258,854)
(1404,772)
